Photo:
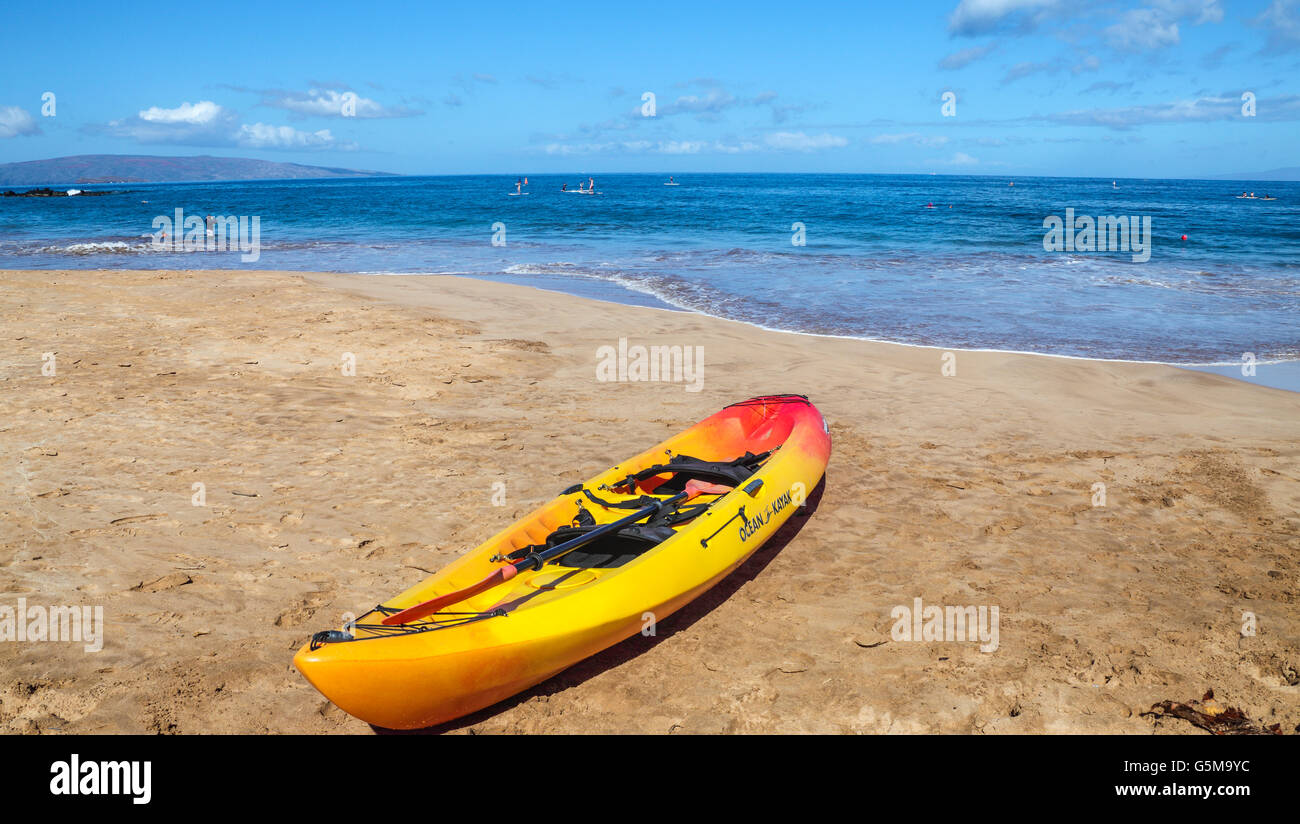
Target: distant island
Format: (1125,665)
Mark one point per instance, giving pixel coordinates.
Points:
(1276,175)
(90,169)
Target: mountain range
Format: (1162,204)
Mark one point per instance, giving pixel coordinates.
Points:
(84,169)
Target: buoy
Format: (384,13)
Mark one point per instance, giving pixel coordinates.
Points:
(1184,237)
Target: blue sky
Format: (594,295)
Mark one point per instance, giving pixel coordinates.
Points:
(1142,88)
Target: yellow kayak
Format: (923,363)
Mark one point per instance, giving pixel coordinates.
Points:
(583,572)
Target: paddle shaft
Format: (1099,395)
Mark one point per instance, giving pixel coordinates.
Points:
(582,540)
(534,560)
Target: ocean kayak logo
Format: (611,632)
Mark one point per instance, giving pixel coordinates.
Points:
(751,525)
(213,233)
(935,623)
(669,364)
(77,777)
(81,625)
(1104,234)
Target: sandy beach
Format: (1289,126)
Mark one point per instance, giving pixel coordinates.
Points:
(324,492)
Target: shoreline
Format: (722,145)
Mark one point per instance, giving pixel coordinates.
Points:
(1285,376)
(1288,381)
(327,492)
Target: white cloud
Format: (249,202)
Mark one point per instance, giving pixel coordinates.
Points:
(567,149)
(332,103)
(265,136)
(15,121)
(800,142)
(1199,110)
(963,58)
(1155,26)
(962,159)
(1143,29)
(715,101)
(192,114)
(974,17)
(667,147)
(736,148)
(1283,24)
(908,137)
(207,124)
(1198,11)
(682,146)
(195,124)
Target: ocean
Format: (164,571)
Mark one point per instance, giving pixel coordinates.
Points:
(859,256)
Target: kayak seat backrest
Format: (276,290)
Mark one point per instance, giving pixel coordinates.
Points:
(672,477)
(616,548)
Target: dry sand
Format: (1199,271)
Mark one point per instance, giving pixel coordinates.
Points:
(327,493)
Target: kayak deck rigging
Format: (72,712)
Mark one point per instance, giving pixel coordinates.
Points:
(362,630)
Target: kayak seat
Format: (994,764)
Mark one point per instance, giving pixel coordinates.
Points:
(672,477)
(615,549)
(630,542)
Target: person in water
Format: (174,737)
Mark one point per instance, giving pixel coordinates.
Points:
(518,187)
(591,184)
(670,178)
(564,187)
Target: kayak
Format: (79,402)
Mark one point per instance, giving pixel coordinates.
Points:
(607,559)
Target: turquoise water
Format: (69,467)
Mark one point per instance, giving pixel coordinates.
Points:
(972,272)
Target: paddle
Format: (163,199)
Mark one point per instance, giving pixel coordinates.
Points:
(535,560)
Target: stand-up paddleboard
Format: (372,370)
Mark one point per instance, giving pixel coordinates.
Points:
(645,537)
(519,194)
